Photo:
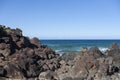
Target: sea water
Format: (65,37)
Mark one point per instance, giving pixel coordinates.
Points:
(76,45)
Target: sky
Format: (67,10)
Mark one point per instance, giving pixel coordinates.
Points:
(63,19)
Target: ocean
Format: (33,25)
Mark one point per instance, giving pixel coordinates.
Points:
(76,45)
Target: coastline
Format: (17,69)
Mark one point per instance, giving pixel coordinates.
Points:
(77,45)
(22,58)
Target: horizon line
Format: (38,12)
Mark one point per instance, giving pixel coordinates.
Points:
(80,39)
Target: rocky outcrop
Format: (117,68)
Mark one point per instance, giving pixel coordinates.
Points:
(92,64)
(24,58)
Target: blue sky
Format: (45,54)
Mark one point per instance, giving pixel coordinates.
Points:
(63,19)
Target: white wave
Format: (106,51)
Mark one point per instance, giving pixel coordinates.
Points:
(103,49)
(58,50)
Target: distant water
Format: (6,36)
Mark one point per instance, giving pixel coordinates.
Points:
(76,45)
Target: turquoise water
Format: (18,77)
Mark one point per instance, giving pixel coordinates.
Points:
(76,45)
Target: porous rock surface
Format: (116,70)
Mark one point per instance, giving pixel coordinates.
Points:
(22,58)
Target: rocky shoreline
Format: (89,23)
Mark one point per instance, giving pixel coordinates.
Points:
(22,58)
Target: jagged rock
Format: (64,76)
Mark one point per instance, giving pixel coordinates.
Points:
(89,65)
(23,42)
(114,46)
(35,41)
(83,64)
(114,53)
(95,52)
(2,72)
(68,56)
(27,59)
(112,69)
(7,39)
(13,71)
(4,46)
(5,52)
(22,57)
(48,75)
(18,32)
(15,38)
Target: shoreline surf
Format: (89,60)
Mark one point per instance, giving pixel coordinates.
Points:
(62,46)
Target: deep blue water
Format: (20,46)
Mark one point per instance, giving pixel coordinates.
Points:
(76,45)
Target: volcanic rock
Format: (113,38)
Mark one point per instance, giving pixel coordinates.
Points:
(95,52)
(114,46)
(24,58)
